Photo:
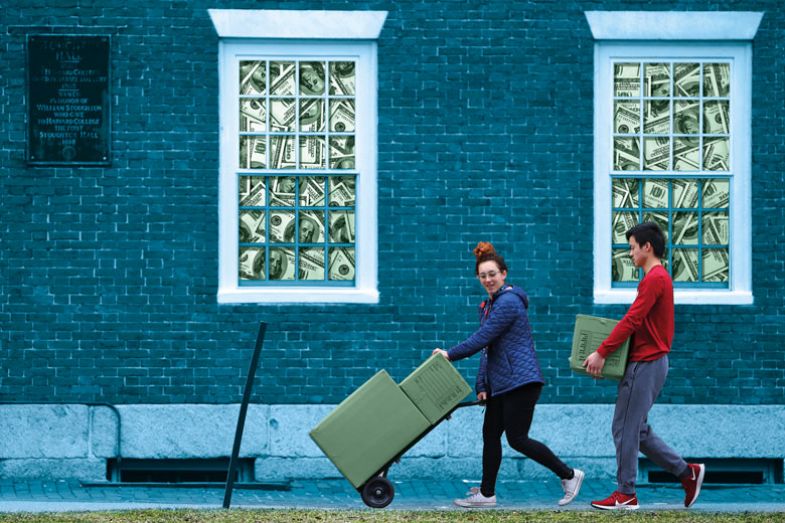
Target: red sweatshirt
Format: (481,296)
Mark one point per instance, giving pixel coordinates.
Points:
(649,320)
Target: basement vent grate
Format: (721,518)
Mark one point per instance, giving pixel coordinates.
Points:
(176,470)
(720,471)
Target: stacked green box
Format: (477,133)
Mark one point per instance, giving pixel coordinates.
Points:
(369,428)
(435,387)
(590,332)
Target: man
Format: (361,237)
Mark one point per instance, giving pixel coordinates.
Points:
(650,321)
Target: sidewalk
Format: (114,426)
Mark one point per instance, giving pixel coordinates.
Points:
(51,496)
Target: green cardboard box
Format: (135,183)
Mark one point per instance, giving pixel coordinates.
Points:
(435,387)
(590,332)
(369,428)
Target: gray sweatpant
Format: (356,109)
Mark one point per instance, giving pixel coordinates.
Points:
(640,386)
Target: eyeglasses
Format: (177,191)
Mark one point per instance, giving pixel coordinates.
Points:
(486,275)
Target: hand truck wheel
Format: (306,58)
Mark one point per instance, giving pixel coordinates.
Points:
(378,492)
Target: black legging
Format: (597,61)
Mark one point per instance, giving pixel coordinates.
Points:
(512,413)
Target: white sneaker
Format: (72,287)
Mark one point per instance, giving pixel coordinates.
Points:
(571,487)
(476,500)
(472,491)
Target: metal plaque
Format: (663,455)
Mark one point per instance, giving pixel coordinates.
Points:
(68,100)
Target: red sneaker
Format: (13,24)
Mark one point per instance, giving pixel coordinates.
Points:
(692,483)
(617,501)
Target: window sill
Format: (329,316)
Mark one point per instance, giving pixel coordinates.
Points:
(681,297)
(302,295)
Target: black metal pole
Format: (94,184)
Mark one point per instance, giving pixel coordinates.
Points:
(238,435)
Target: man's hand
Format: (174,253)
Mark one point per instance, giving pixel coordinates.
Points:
(442,352)
(594,364)
(482,396)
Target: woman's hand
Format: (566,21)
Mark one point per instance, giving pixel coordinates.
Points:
(443,352)
(482,396)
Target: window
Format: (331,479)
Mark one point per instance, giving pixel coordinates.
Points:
(297,205)
(672,145)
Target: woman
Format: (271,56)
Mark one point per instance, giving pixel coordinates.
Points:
(509,380)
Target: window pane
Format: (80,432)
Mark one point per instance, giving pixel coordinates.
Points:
(716,118)
(253,76)
(626,80)
(281,264)
(686,154)
(282,152)
(312,78)
(715,228)
(656,153)
(312,154)
(685,194)
(311,191)
(282,114)
(657,117)
(253,115)
(251,265)
(625,192)
(622,268)
(342,115)
(281,227)
(252,227)
(687,80)
(342,78)
(311,226)
(341,263)
(686,118)
(282,191)
(252,191)
(716,80)
(311,264)
(253,152)
(716,154)
(655,193)
(342,152)
(312,115)
(716,193)
(657,80)
(342,191)
(685,265)
(715,265)
(623,222)
(626,152)
(342,226)
(685,228)
(281,78)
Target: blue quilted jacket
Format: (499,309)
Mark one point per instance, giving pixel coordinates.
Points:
(508,360)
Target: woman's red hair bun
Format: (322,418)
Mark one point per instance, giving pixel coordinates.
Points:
(484,248)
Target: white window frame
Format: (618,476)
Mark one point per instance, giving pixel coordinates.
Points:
(299,35)
(648,36)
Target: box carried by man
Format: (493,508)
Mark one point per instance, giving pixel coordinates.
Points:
(590,331)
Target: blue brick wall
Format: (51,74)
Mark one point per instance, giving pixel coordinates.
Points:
(109,275)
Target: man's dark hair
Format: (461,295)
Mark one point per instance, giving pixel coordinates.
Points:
(649,232)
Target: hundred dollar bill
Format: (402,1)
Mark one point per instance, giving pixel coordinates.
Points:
(280,228)
(655,193)
(716,118)
(685,119)
(656,79)
(716,79)
(685,193)
(341,264)
(281,264)
(342,226)
(282,152)
(282,114)
(685,228)
(716,194)
(282,191)
(311,264)
(281,78)
(252,77)
(312,115)
(686,80)
(253,153)
(625,192)
(342,152)
(623,222)
(312,152)
(715,228)
(311,191)
(686,154)
(252,193)
(715,265)
(251,266)
(342,193)
(625,154)
(622,267)
(627,118)
(626,80)
(656,122)
(342,78)
(252,227)
(253,117)
(342,115)
(685,265)
(716,155)
(311,227)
